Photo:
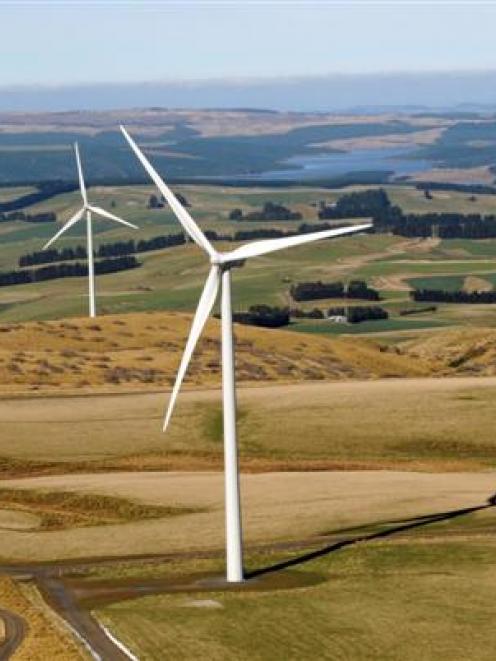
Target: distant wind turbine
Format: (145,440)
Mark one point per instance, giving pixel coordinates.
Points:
(89,208)
(220,275)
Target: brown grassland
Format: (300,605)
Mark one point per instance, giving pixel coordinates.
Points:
(143,350)
(47,637)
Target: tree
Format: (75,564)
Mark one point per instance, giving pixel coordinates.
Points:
(154,202)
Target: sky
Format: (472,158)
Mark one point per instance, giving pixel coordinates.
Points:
(60,43)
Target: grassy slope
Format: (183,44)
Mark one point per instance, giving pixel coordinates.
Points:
(278,507)
(143,350)
(416,598)
(433,424)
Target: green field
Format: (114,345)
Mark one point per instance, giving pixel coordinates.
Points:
(172,279)
(427,594)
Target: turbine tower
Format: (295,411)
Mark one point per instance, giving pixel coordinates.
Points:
(220,277)
(89,208)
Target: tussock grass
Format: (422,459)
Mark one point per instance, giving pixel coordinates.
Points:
(142,351)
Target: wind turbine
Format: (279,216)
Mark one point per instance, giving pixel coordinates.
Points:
(89,208)
(220,276)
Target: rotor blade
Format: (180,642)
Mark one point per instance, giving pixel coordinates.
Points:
(72,221)
(182,215)
(110,216)
(270,245)
(205,304)
(80,174)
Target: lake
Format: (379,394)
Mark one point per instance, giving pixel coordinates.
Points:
(334,165)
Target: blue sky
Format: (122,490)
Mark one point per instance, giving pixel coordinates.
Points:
(47,43)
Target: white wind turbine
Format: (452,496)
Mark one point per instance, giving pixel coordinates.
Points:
(220,275)
(89,208)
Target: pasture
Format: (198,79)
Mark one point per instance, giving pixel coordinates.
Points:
(367,462)
(171,279)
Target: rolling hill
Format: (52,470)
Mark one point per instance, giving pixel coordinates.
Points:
(142,350)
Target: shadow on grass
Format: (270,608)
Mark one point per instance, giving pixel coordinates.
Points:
(404,526)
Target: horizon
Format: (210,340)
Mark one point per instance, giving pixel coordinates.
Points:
(440,90)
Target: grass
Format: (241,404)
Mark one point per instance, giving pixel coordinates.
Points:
(172,279)
(46,634)
(418,423)
(412,200)
(482,248)
(61,510)
(143,351)
(425,594)
(366,327)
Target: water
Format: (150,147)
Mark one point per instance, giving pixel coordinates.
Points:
(334,165)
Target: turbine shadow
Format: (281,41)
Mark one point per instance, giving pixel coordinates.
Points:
(406,524)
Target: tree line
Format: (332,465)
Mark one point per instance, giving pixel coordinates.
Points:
(117,249)
(264,316)
(45,217)
(156,202)
(65,270)
(310,291)
(160,242)
(456,296)
(45,190)
(269,211)
(357,314)
(386,217)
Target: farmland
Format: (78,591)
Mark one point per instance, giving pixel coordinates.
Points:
(367,450)
(171,279)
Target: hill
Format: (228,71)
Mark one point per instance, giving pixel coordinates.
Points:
(469,351)
(142,350)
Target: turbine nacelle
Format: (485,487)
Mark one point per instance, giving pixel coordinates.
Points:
(224,261)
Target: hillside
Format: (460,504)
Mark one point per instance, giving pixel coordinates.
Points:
(142,350)
(470,351)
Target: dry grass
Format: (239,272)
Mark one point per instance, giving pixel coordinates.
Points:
(422,424)
(478,175)
(61,509)
(425,137)
(467,351)
(474,283)
(277,507)
(143,351)
(47,639)
(207,122)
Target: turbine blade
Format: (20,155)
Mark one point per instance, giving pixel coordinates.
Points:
(106,214)
(80,174)
(271,245)
(205,304)
(72,221)
(182,215)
